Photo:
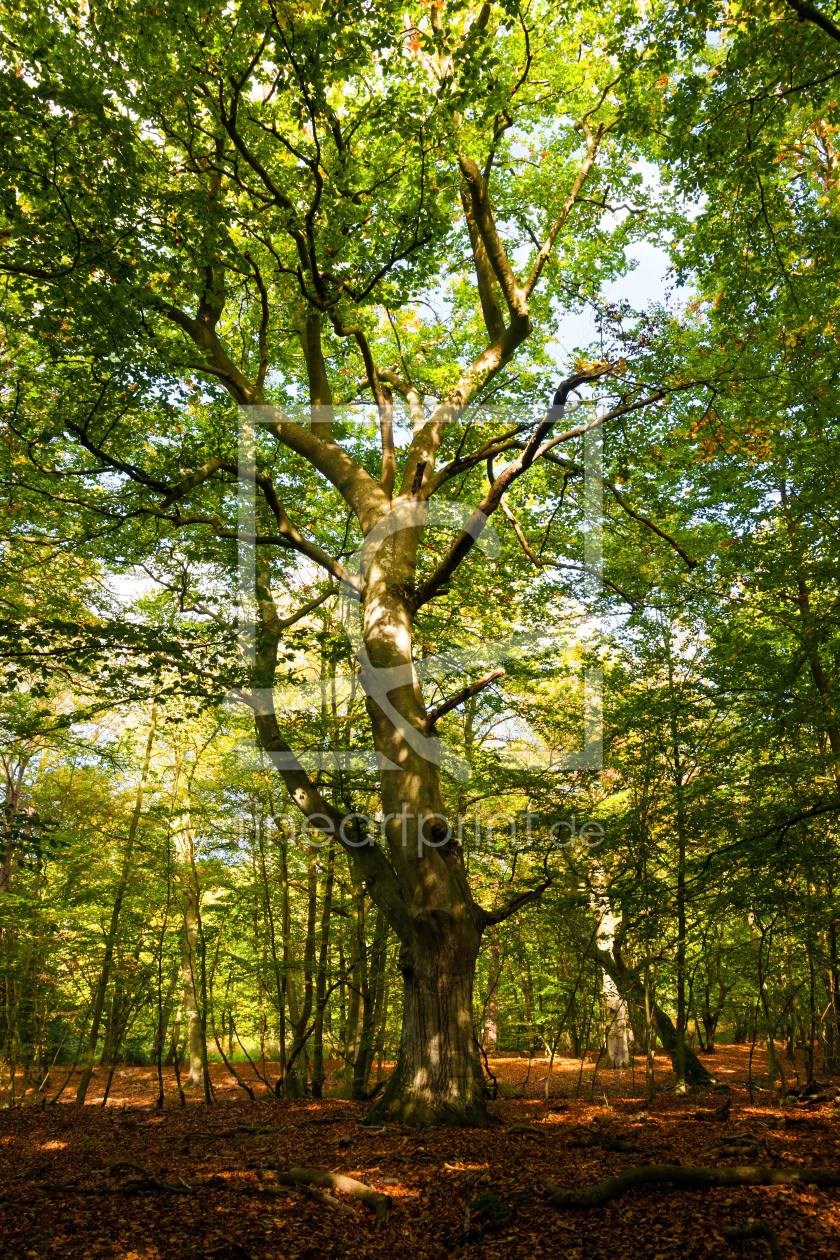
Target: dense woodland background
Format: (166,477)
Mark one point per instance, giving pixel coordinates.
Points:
(159,903)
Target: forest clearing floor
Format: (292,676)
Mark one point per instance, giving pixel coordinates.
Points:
(130,1182)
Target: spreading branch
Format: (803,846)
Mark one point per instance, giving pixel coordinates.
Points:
(466,540)
(809,13)
(466,693)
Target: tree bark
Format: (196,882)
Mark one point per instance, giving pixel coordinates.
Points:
(295,1081)
(321,979)
(617,1030)
(437,1078)
(491,1010)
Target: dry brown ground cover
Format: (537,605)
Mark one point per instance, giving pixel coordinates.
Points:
(128,1182)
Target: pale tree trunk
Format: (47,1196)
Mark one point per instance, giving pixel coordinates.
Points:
(110,939)
(184,842)
(631,986)
(491,1015)
(616,1020)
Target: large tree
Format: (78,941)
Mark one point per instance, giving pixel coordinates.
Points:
(294,207)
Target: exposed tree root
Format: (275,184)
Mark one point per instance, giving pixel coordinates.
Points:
(531,1130)
(755,1229)
(688,1177)
(720,1113)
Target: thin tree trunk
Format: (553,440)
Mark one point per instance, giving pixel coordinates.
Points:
(491,1015)
(295,1084)
(833,1055)
(321,978)
(110,939)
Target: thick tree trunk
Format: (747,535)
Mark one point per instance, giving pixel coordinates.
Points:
(437,1079)
(413,870)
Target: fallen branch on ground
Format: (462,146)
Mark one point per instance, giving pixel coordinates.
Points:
(238,1130)
(830,1094)
(321,1196)
(379,1204)
(755,1229)
(304,1178)
(744,1145)
(687,1177)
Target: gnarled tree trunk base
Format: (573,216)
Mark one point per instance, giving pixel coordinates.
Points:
(461,1105)
(437,1079)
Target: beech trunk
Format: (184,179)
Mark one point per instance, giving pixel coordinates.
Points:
(437,1079)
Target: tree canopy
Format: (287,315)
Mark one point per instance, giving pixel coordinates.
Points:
(382,680)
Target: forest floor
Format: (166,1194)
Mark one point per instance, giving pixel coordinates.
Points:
(129,1182)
